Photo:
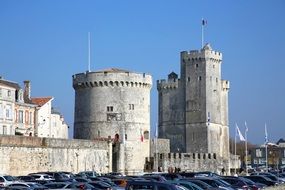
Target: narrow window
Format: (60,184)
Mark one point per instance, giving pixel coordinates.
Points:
(9,93)
(9,111)
(196,65)
(109,108)
(26,117)
(4,130)
(200,78)
(31,118)
(188,79)
(98,133)
(21,116)
(131,106)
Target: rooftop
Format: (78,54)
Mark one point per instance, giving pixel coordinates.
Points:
(40,101)
(10,84)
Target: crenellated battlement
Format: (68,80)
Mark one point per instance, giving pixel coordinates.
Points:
(187,156)
(106,79)
(167,84)
(190,162)
(202,55)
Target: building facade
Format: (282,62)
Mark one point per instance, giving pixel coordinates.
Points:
(22,115)
(275,157)
(115,104)
(193,109)
(8,91)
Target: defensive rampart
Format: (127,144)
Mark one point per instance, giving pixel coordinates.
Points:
(22,155)
(192,162)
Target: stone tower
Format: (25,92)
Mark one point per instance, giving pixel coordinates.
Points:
(115,104)
(193,110)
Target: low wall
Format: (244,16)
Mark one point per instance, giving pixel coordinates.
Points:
(193,162)
(22,155)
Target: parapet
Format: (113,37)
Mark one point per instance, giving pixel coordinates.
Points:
(112,78)
(203,54)
(23,141)
(188,156)
(169,84)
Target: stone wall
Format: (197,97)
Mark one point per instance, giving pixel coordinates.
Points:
(192,162)
(22,155)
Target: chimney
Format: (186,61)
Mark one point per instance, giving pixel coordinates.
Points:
(27,91)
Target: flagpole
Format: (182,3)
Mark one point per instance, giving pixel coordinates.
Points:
(156,159)
(89,54)
(246,129)
(236,150)
(266,156)
(202,43)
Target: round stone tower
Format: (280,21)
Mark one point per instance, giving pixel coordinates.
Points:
(115,104)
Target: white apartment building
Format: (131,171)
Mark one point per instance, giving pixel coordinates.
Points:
(7,106)
(22,115)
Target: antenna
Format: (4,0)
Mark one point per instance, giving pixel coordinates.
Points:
(89,54)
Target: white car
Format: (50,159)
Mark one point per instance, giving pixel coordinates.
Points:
(6,180)
(39,176)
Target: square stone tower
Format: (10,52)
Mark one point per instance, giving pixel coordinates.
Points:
(193,110)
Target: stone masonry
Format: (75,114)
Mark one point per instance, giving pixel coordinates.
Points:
(115,103)
(193,109)
(21,155)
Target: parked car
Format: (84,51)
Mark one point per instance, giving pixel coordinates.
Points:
(171,176)
(253,185)
(236,182)
(216,182)
(201,184)
(151,185)
(189,185)
(271,176)
(6,180)
(155,178)
(100,185)
(87,174)
(26,178)
(261,179)
(26,185)
(60,185)
(58,176)
(70,185)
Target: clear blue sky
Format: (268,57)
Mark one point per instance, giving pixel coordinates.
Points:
(46,42)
